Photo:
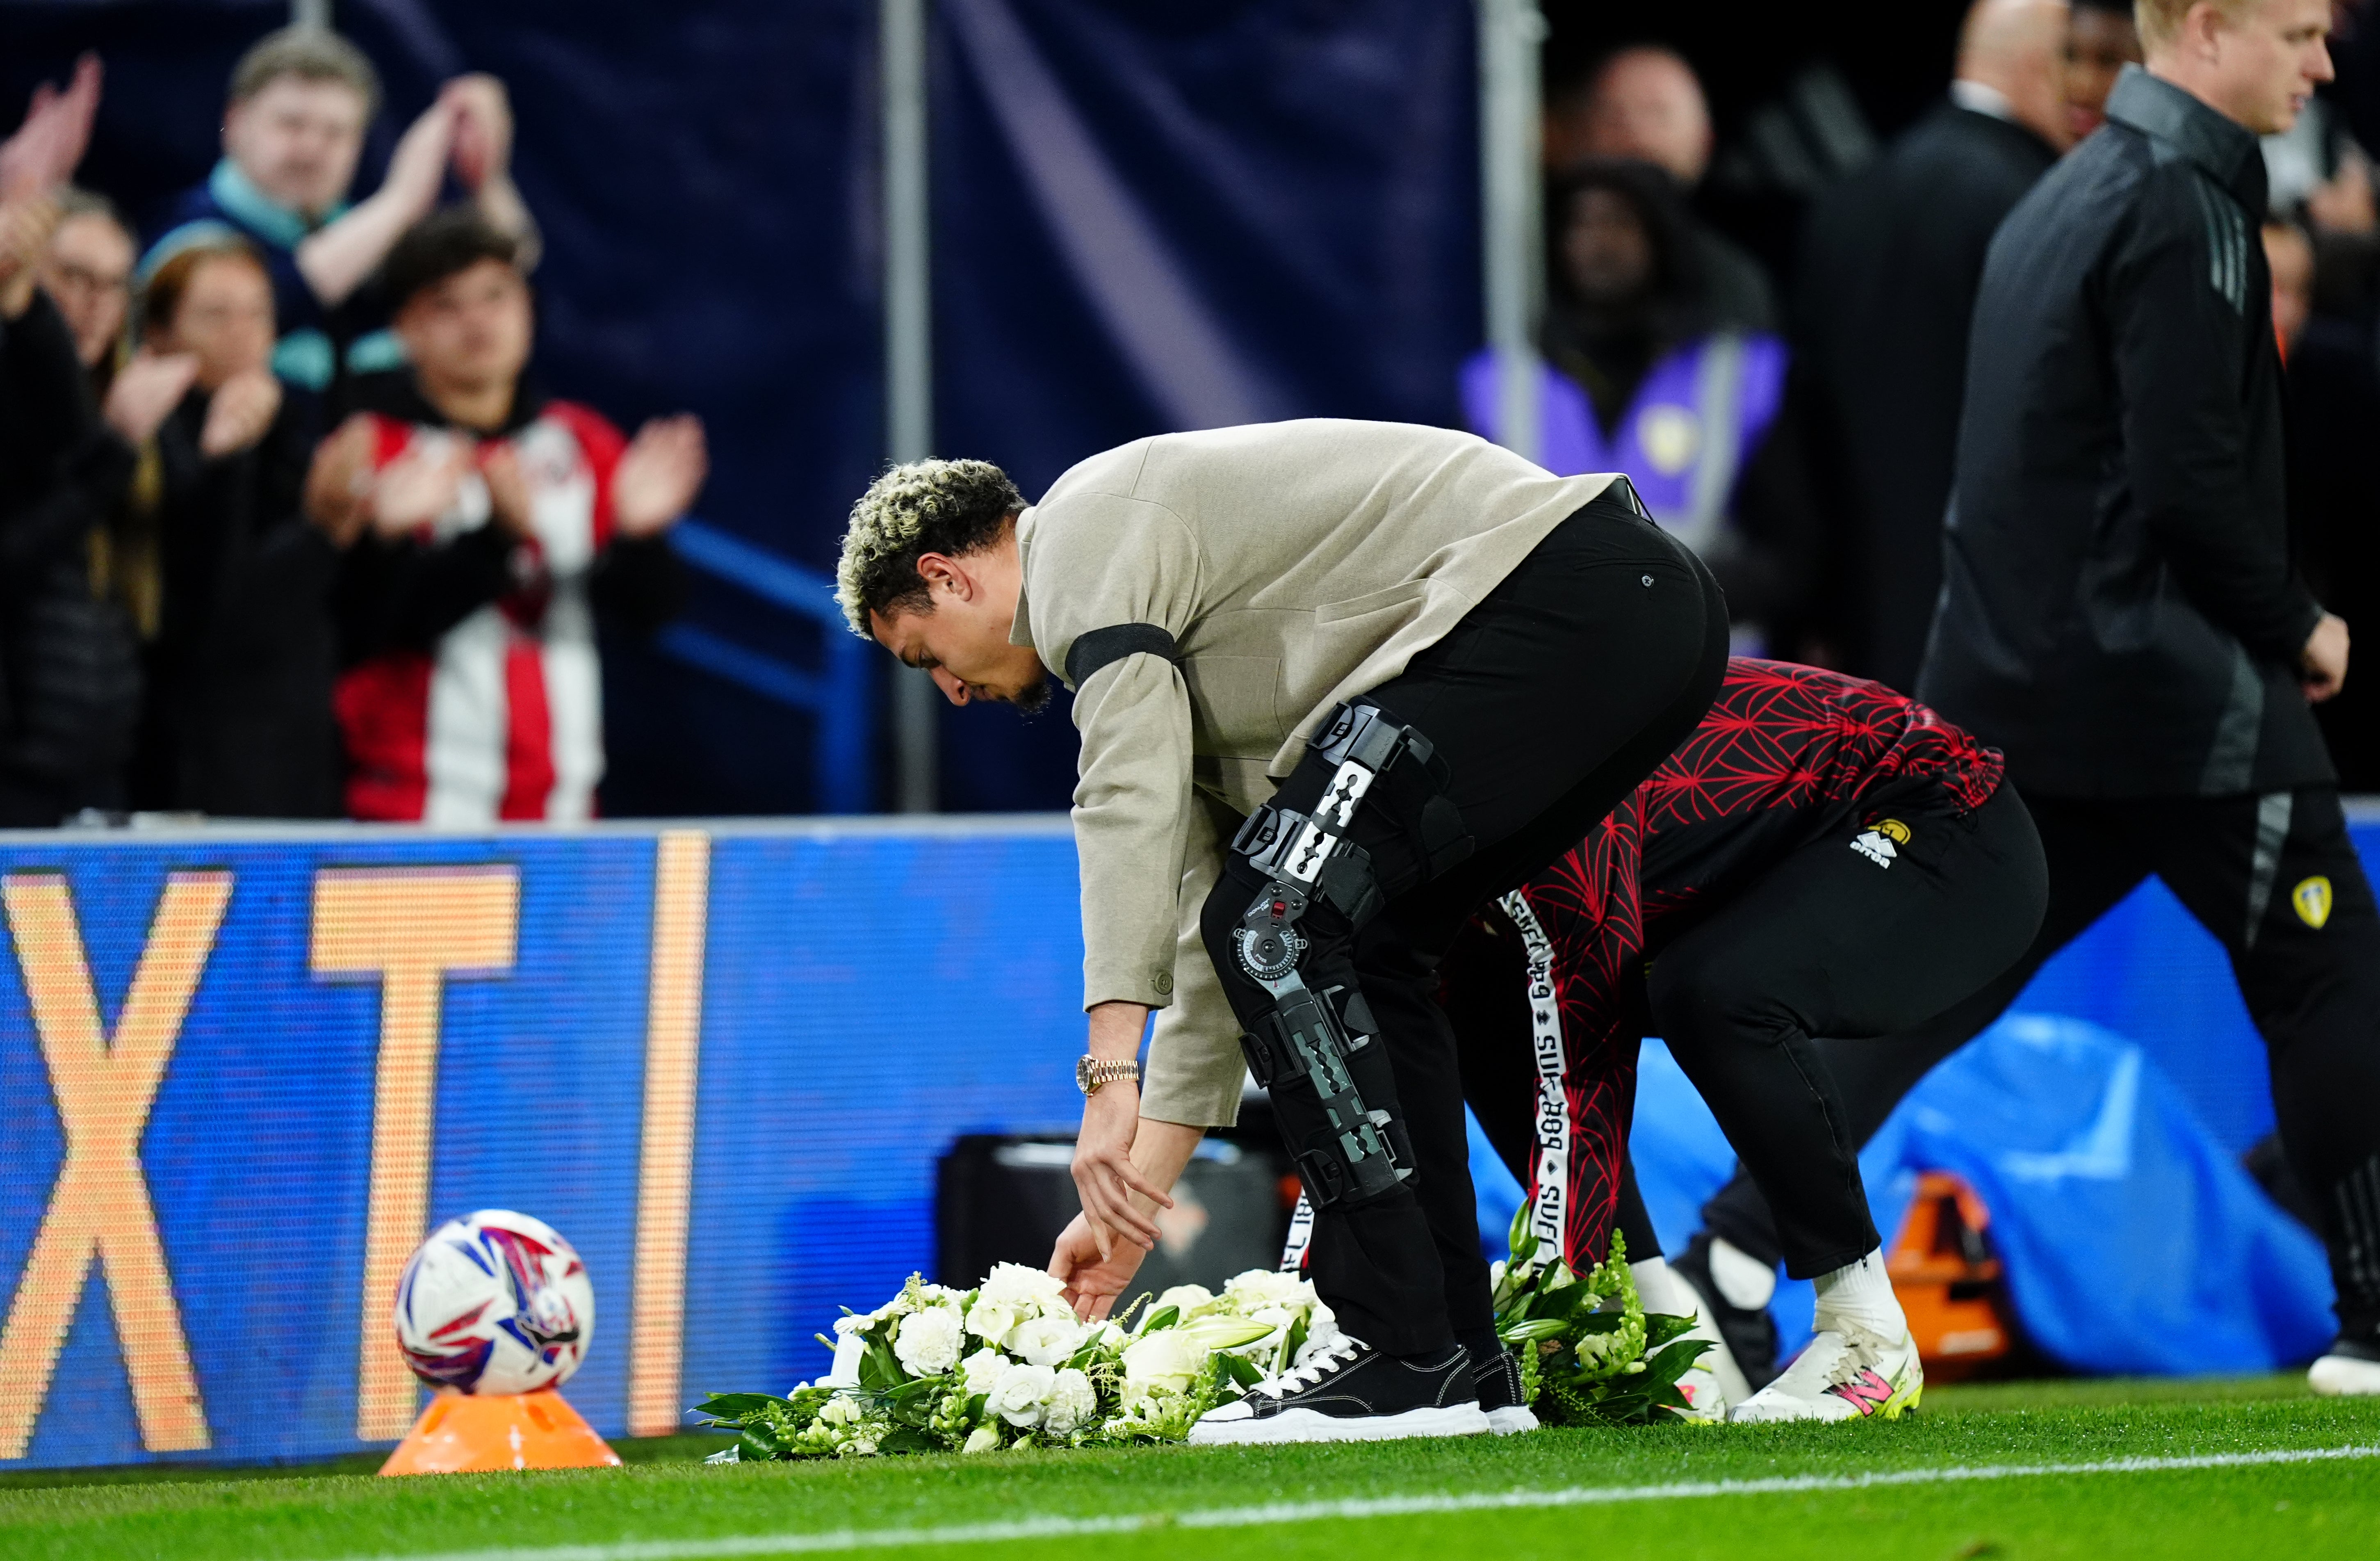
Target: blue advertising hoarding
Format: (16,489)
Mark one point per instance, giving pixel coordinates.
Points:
(239,1077)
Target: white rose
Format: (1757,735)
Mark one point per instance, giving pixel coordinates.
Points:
(929,1341)
(1024,1290)
(1022,1395)
(1164,1361)
(983,1368)
(1189,1298)
(1072,1402)
(1045,1341)
(982,1439)
(992,1320)
(1262,1288)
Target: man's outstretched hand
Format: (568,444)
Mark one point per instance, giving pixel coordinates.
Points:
(1094,1284)
(1105,1177)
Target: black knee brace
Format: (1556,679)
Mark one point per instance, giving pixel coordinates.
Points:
(1315,1037)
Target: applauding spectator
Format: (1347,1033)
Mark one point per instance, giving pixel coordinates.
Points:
(495,526)
(300,102)
(72,681)
(238,718)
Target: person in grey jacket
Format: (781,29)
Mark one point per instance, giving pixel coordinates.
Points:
(2120,614)
(1337,685)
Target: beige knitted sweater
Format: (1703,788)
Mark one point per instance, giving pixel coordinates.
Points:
(1296,565)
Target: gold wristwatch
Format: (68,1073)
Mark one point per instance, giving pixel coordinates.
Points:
(1090,1073)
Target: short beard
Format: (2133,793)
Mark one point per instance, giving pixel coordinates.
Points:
(1034,698)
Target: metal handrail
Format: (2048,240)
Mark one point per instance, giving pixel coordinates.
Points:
(840,696)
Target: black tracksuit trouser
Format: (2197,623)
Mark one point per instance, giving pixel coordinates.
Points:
(2278,883)
(1547,705)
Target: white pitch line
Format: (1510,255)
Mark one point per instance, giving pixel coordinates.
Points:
(1354,1508)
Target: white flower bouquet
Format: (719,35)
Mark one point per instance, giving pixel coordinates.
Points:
(1590,1354)
(1007,1364)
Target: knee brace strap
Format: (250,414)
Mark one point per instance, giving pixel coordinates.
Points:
(1303,857)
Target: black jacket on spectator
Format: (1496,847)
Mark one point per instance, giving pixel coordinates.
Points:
(70,658)
(1890,263)
(238,718)
(2120,613)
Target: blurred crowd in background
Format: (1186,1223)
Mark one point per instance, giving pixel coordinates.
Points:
(289,527)
(286,530)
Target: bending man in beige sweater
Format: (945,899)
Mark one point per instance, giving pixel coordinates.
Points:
(1338,684)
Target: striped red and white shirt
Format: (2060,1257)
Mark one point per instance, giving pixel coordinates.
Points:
(501,716)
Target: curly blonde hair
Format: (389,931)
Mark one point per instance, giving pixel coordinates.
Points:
(948,507)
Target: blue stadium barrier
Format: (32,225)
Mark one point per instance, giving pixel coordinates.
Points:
(242,1070)
(841,696)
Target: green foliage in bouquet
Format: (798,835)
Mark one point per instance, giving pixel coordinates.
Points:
(1008,1365)
(1590,1355)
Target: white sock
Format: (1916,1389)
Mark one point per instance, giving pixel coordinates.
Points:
(1660,1288)
(1861,1293)
(1743,1281)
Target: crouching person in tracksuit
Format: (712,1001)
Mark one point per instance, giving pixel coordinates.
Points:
(1821,858)
(1339,685)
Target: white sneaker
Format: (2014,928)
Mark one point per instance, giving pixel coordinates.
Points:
(1849,1373)
(1496,1384)
(2347,1371)
(1350,1392)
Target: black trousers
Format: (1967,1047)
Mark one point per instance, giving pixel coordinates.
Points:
(1547,705)
(2276,881)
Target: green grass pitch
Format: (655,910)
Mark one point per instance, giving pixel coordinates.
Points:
(2241,1468)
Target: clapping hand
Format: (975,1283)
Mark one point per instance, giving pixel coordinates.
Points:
(146,390)
(418,167)
(339,482)
(43,153)
(419,486)
(243,408)
(483,129)
(657,476)
(508,503)
(26,226)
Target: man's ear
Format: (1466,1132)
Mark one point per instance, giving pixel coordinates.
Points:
(941,572)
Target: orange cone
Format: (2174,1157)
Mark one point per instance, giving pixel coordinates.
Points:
(469,1433)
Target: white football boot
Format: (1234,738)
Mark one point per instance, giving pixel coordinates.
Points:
(1849,1373)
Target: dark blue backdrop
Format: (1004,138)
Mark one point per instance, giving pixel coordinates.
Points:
(1149,214)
